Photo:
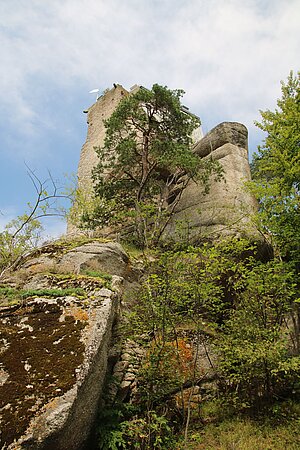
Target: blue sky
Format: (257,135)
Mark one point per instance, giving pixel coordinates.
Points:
(228,55)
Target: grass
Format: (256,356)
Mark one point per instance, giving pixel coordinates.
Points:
(276,430)
(97,274)
(69,244)
(11,296)
(105,278)
(133,250)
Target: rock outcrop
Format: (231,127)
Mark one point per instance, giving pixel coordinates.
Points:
(223,211)
(106,257)
(96,114)
(226,209)
(57,334)
(55,341)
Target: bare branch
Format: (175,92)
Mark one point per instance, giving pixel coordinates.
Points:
(41,198)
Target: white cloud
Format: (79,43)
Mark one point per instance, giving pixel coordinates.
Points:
(53,229)
(219,43)
(228,55)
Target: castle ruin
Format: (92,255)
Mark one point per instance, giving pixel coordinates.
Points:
(225,210)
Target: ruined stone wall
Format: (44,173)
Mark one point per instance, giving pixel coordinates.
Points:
(96,114)
(101,110)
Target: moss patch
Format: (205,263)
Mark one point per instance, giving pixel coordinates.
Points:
(40,350)
(59,285)
(10,296)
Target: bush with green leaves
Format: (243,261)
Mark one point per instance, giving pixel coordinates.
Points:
(18,237)
(227,300)
(258,358)
(24,232)
(245,305)
(125,427)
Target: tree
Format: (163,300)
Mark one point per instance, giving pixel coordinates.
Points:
(257,347)
(145,163)
(226,297)
(24,232)
(276,172)
(13,245)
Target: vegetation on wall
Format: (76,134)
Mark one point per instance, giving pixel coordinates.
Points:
(242,312)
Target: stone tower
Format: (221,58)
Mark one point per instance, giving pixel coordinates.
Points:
(96,114)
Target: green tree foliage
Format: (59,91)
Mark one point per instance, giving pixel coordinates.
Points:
(259,356)
(244,312)
(244,305)
(18,236)
(222,300)
(276,172)
(145,163)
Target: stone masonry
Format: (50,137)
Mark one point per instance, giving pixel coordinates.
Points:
(96,114)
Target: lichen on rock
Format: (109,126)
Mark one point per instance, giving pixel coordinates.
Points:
(40,355)
(54,344)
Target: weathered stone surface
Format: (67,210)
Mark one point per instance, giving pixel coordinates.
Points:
(54,357)
(226,132)
(54,354)
(106,257)
(96,114)
(226,210)
(38,264)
